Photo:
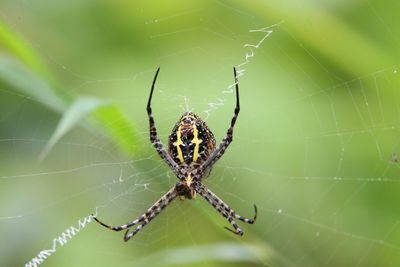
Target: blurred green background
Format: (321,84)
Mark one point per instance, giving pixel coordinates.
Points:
(315,147)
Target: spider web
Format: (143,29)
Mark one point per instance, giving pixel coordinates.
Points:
(315,147)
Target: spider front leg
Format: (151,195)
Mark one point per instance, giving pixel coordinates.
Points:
(153,133)
(224,209)
(146,217)
(220,150)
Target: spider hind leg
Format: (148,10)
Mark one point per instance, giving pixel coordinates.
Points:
(246,220)
(146,217)
(224,209)
(116,228)
(237,230)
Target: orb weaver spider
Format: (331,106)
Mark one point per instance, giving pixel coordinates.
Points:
(191,154)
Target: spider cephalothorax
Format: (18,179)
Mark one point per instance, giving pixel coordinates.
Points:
(191,154)
(186,188)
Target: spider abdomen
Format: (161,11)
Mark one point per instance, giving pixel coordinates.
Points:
(191,142)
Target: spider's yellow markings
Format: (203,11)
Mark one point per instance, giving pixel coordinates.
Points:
(178,143)
(196,141)
(188,181)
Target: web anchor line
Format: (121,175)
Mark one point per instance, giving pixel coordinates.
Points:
(240,70)
(61,240)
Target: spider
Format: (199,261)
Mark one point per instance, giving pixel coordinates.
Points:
(191,154)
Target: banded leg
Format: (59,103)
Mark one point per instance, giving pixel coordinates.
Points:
(220,150)
(237,230)
(146,217)
(220,203)
(224,209)
(224,213)
(153,133)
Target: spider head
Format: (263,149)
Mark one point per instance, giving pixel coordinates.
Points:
(189,118)
(185,188)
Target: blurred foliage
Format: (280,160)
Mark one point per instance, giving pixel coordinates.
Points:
(315,147)
(25,81)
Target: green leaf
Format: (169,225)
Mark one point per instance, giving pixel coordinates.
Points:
(20,78)
(222,252)
(107,116)
(118,127)
(21,71)
(19,49)
(75,114)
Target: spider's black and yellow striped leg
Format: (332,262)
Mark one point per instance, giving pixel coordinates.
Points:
(220,150)
(224,209)
(217,202)
(145,218)
(153,132)
(239,217)
(153,212)
(116,228)
(129,235)
(237,230)
(246,220)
